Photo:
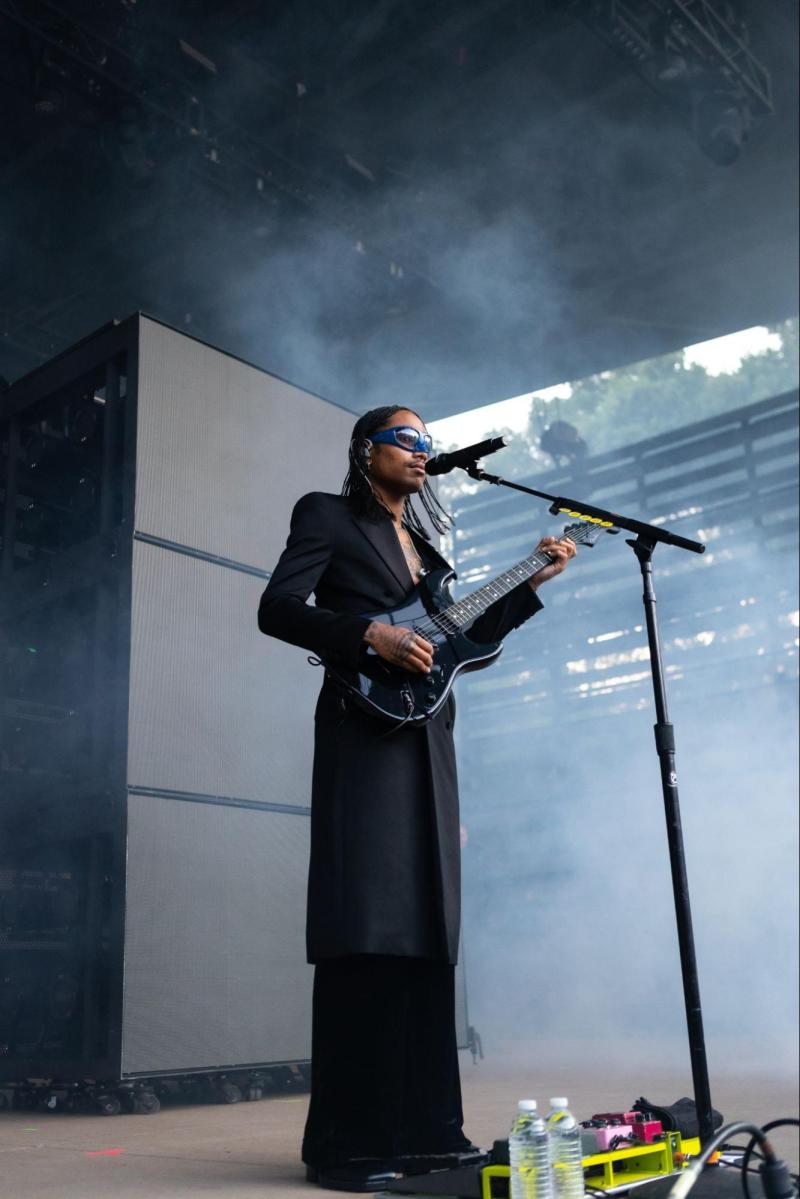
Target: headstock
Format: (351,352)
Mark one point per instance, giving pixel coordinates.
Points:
(586,533)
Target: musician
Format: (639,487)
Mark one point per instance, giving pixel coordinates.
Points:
(384,878)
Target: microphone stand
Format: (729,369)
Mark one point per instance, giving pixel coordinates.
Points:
(646,538)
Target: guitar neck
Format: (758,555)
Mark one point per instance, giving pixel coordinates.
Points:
(476,603)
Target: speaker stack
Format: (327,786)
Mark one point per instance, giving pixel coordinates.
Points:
(155,760)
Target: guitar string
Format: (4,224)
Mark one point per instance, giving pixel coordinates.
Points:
(431,626)
(436,621)
(459,613)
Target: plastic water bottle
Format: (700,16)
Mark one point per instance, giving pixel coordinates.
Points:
(565,1151)
(529,1154)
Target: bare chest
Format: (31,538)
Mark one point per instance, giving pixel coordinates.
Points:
(413,560)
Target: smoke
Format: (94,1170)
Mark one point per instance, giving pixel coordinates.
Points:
(458,218)
(459,277)
(497,249)
(484,276)
(578,943)
(575,940)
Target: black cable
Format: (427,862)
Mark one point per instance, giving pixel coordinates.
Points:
(750,1150)
(690,1176)
(742,1149)
(736,1166)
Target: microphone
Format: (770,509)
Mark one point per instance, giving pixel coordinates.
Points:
(443,463)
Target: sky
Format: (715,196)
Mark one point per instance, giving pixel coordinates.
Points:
(722,355)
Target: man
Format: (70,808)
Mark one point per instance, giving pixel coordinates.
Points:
(384,876)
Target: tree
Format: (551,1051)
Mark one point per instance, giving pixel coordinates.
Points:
(651,397)
(643,400)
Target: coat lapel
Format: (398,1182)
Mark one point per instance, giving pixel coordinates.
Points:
(383,540)
(427,547)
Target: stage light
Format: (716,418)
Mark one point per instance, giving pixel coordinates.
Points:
(83,420)
(674,67)
(82,493)
(721,123)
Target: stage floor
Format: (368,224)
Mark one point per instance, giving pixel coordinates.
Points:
(250,1150)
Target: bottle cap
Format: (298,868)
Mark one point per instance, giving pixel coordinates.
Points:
(526,1105)
(559,1102)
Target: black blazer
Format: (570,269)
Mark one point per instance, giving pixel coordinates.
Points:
(384,874)
(354,565)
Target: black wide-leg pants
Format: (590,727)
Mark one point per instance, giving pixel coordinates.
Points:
(384,1062)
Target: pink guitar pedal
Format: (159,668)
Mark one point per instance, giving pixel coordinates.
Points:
(646,1130)
(611,1136)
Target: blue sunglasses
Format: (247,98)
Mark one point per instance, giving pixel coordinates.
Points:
(406,437)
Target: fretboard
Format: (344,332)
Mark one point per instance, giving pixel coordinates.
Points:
(476,603)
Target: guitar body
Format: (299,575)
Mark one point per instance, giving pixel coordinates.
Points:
(413,699)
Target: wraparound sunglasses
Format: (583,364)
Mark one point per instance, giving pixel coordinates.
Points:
(406,437)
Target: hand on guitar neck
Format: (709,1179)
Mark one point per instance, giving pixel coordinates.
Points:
(560,551)
(401,647)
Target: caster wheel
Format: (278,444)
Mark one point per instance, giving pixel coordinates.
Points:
(230,1093)
(108,1105)
(253,1094)
(146,1104)
(52,1103)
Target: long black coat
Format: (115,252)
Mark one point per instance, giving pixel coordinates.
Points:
(384,874)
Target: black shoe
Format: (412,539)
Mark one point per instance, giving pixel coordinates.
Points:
(369,1176)
(372,1175)
(425,1163)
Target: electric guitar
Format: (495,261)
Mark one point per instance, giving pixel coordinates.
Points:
(411,698)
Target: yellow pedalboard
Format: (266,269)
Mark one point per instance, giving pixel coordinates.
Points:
(616,1169)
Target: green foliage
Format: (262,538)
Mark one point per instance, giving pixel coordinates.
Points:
(643,400)
(651,397)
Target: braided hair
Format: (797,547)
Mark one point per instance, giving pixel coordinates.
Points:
(360,491)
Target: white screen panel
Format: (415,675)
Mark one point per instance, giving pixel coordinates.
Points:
(215,706)
(215,970)
(224,449)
